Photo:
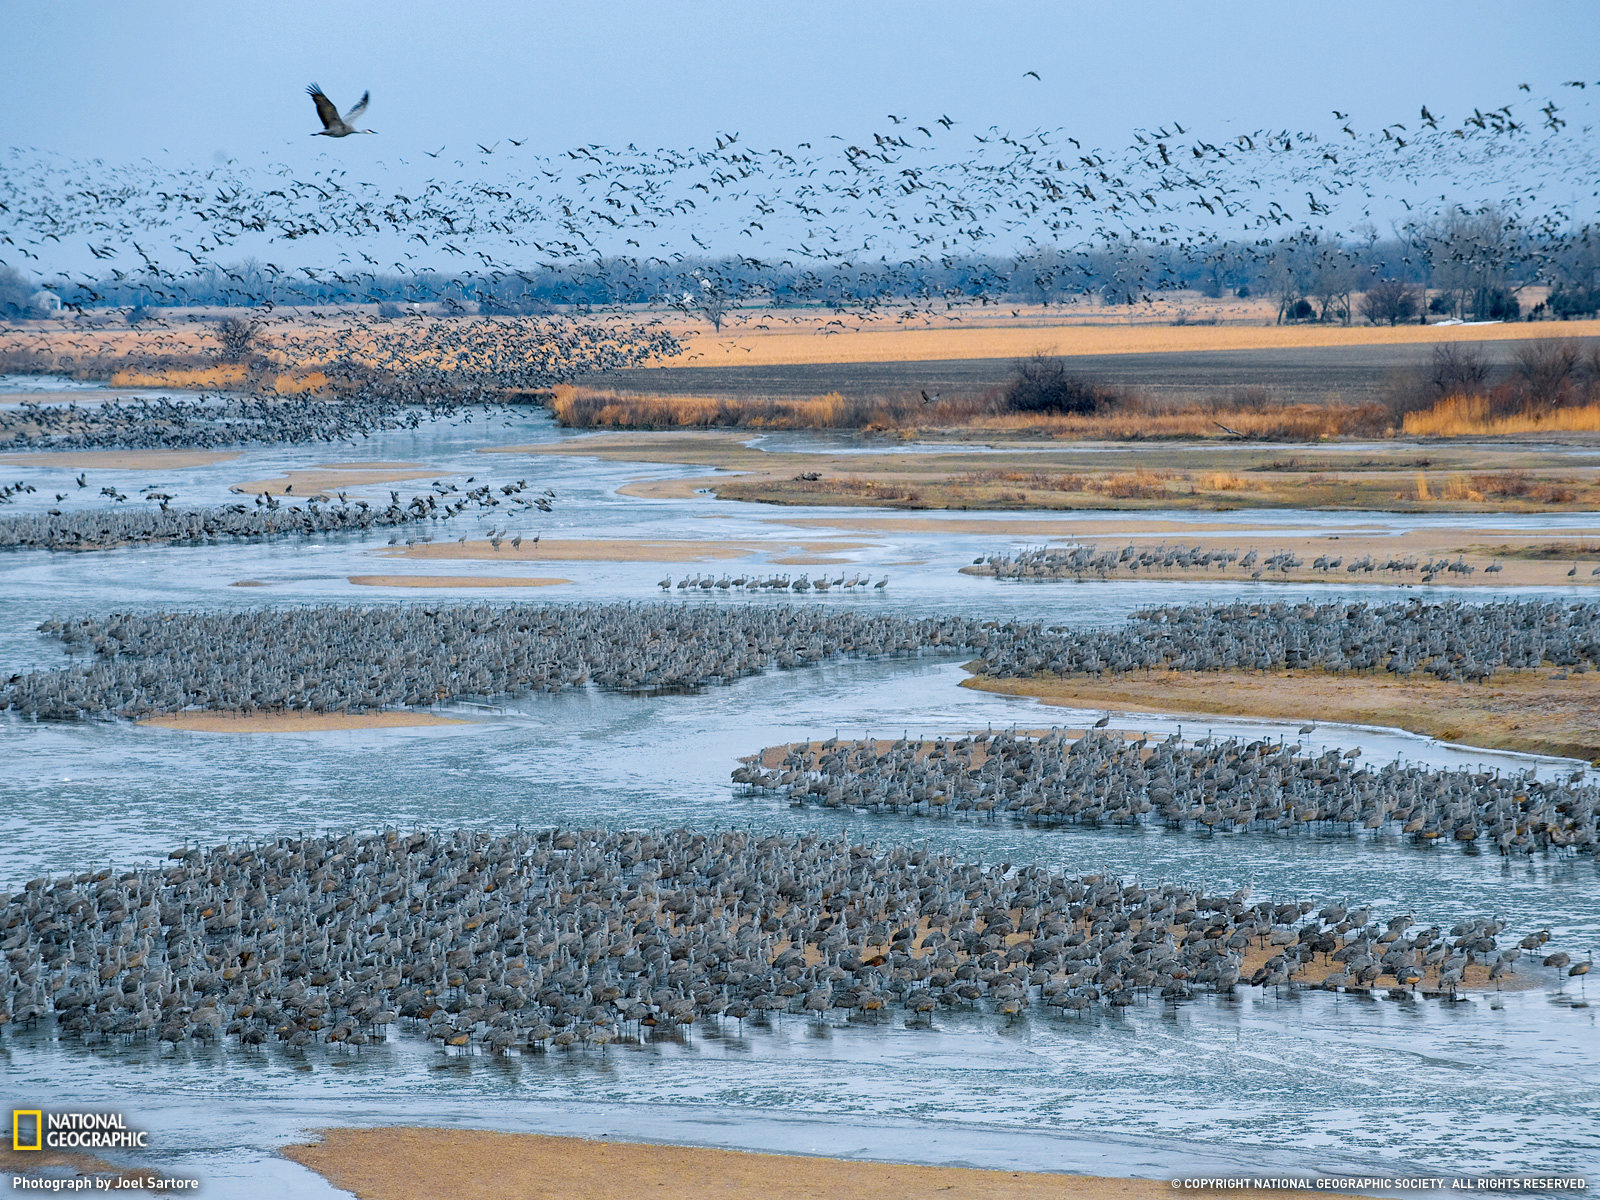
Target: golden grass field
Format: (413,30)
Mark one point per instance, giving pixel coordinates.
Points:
(1526,711)
(750,345)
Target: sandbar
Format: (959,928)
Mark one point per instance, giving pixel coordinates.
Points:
(1064,476)
(1526,711)
(616,550)
(452,581)
(119,460)
(330,477)
(87,1166)
(294,722)
(470,1164)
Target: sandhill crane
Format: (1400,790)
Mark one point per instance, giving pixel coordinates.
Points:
(333,125)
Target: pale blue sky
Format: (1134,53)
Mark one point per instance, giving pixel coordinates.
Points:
(121,79)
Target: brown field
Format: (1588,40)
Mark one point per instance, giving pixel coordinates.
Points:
(625,550)
(451,581)
(1391,476)
(294,722)
(1351,375)
(1516,710)
(469,1164)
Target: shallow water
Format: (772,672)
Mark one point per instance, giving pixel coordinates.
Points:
(1500,1083)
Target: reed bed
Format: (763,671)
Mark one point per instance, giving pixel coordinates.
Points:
(1127,419)
(1474,416)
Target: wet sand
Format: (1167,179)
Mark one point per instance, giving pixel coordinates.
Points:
(294,722)
(1479,548)
(119,460)
(327,478)
(469,1164)
(34,1163)
(1525,711)
(1063,476)
(625,550)
(452,581)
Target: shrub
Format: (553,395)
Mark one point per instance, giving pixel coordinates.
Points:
(1567,303)
(1497,304)
(1041,384)
(1389,300)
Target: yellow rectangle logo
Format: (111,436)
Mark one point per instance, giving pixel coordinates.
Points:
(16,1128)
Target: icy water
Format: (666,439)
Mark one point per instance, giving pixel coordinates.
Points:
(1314,1082)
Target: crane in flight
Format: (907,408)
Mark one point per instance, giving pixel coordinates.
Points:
(333,125)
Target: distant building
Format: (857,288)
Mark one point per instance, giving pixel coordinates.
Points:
(47,301)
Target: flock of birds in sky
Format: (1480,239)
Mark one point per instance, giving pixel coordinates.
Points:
(882,203)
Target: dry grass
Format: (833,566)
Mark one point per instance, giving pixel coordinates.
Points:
(1129,419)
(1551,551)
(1477,489)
(1473,416)
(1515,710)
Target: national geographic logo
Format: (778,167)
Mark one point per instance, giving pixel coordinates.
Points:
(35,1129)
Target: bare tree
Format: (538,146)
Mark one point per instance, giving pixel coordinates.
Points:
(1470,257)
(16,293)
(709,300)
(1545,368)
(235,337)
(1458,369)
(1333,279)
(1391,300)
